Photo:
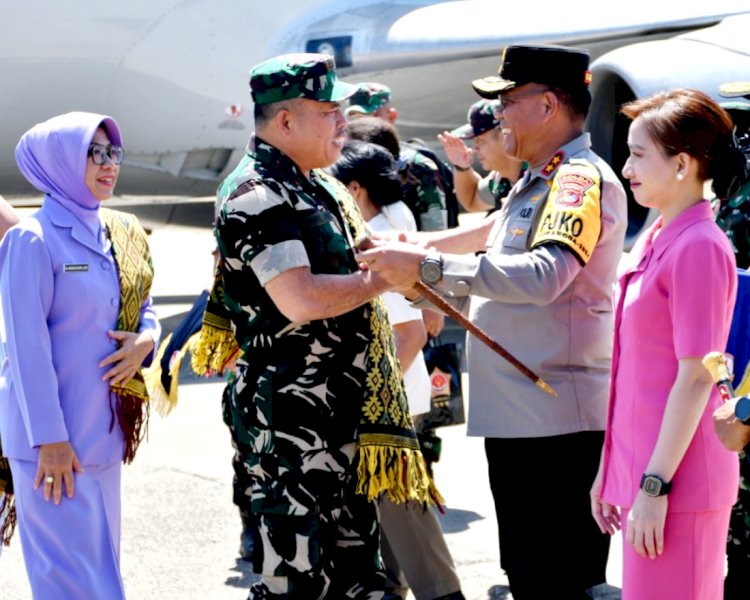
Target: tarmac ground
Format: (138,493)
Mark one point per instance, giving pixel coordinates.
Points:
(180,530)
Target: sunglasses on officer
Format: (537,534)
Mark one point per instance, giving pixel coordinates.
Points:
(99,153)
(509,99)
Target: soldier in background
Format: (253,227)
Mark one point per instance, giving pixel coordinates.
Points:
(474,192)
(734,216)
(424,190)
(734,219)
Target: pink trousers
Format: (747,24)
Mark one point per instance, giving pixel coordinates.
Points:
(692,565)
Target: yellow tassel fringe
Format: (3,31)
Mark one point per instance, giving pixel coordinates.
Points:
(400,473)
(165,400)
(213,349)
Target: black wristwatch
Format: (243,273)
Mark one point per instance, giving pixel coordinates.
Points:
(654,486)
(742,410)
(431,269)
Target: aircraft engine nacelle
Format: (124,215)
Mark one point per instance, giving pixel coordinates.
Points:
(703,59)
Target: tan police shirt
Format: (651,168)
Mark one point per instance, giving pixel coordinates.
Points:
(543,290)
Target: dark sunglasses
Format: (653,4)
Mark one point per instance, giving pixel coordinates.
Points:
(100,152)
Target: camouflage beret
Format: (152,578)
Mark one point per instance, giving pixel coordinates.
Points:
(368,98)
(559,66)
(290,76)
(481,118)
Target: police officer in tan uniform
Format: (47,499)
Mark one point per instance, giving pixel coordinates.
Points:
(537,277)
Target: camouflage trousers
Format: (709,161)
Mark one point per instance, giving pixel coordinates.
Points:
(737,582)
(313,536)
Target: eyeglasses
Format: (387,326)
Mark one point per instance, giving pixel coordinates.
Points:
(504,101)
(99,153)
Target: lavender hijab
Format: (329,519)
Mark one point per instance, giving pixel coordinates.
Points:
(53,155)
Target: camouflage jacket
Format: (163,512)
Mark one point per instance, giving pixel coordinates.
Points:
(422,191)
(272,219)
(734,219)
(499,186)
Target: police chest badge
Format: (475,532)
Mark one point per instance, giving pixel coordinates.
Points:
(572,213)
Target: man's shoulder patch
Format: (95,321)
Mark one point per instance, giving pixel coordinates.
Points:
(572,214)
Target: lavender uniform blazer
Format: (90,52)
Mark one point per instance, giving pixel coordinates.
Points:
(60,294)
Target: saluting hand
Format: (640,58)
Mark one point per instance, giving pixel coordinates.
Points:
(456,151)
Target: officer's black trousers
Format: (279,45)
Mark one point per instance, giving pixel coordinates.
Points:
(550,545)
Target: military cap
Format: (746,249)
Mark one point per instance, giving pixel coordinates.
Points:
(736,89)
(368,98)
(481,118)
(559,66)
(290,76)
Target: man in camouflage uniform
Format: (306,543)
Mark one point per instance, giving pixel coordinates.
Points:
(422,188)
(478,193)
(734,218)
(297,302)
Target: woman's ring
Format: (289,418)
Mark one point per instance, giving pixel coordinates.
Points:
(49,479)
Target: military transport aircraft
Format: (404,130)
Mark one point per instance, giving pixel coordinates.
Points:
(174,72)
(703,59)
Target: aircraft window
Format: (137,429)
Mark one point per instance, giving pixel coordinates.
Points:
(340,47)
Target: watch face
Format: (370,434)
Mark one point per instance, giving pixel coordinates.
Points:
(651,486)
(742,410)
(431,271)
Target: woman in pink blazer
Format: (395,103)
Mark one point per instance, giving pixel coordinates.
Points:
(662,465)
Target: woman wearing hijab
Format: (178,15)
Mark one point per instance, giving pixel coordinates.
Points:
(78,325)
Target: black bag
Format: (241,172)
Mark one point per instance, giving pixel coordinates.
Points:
(447,403)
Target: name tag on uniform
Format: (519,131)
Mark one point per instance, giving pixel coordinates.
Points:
(75,268)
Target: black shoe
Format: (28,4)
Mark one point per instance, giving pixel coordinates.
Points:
(246,545)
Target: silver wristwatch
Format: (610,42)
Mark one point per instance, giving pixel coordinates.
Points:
(431,269)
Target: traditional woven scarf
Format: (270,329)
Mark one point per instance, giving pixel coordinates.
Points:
(133,257)
(389,460)
(7,505)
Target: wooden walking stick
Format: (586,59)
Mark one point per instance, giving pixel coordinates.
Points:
(456,315)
